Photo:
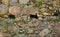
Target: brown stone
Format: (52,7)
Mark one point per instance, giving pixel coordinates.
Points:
(5,35)
(15,10)
(13,28)
(43,10)
(32,25)
(29,10)
(5,2)
(45,1)
(22,25)
(56,27)
(30,31)
(3,9)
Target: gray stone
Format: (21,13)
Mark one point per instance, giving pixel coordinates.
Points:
(23,1)
(44,32)
(20,35)
(14,10)
(13,2)
(43,24)
(3,9)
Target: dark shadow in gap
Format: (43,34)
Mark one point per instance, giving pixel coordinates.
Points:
(55,14)
(33,16)
(11,16)
(0,1)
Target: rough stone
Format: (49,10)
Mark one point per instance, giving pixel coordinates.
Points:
(23,1)
(44,32)
(15,10)
(13,2)
(3,9)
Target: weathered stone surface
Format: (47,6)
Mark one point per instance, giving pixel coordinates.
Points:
(23,1)
(30,18)
(56,27)
(22,25)
(13,29)
(3,9)
(5,2)
(13,2)
(20,35)
(30,31)
(43,24)
(5,35)
(29,10)
(15,10)
(44,32)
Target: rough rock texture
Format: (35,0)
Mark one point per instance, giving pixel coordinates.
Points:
(14,10)
(29,18)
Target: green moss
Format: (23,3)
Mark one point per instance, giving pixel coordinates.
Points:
(11,21)
(39,0)
(1,19)
(3,27)
(55,19)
